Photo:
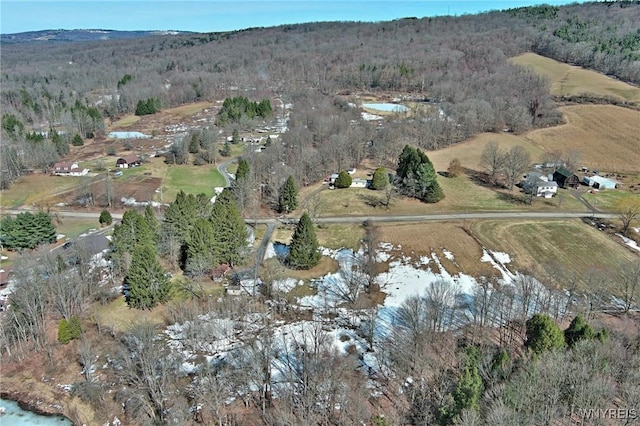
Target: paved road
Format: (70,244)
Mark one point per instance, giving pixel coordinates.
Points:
(442,217)
(222,168)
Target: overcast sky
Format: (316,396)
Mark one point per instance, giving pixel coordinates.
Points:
(224,15)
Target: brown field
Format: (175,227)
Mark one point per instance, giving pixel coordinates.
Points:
(423,239)
(607,137)
(34,190)
(567,80)
(533,245)
(543,246)
(469,152)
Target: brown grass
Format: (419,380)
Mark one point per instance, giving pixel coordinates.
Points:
(544,245)
(422,239)
(470,152)
(607,137)
(569,80)
(118,317)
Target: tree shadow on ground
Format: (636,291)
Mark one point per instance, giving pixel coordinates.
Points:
(515,198)
(372,200)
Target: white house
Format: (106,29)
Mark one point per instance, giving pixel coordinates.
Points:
(69,169)
(543,185)
(547,189)
(359,183)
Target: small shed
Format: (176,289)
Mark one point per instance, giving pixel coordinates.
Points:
(566,178)
(128,161)
(599,182)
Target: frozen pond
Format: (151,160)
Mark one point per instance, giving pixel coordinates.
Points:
(128,135)
(388,107)
(16,416)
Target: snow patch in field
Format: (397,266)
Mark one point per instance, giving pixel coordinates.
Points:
(286,285)
(629,242)
(371,117)
(494,259)
(448,255)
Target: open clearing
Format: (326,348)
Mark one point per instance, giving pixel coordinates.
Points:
(569,80)
(470,151)
(607,137)
(544,245)
(462,194)
(416,240)
(34,189)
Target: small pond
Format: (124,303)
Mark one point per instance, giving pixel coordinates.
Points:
(16,416)
(281,249)
(388,107)
(128,135)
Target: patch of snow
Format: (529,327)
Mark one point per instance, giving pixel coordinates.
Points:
(286,285)
(487,256)
(269,252)
(629,242)
(448,254)
(371,117)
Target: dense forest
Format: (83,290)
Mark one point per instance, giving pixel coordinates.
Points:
(458,64)
(538,351)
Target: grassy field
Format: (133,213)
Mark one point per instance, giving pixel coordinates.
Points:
(572,80)
(607,137)
(607,200)
(462,194)
(469,152)
(543,245)
(33,190)
(423,239)
(73,227)
(192,180)
(187,110)
(126,121)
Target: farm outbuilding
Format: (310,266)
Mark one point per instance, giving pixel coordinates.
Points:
(599,182)
(565,178)
(128,161)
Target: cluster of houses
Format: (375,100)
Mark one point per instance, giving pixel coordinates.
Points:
(546,185)
(355,182)
(72,168)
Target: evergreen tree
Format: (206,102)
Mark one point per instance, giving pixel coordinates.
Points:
(543,334)
(77,140)
(27,231)
(235,137)
(146,281)
(303,250)
(578,330)
(229,230)
(200,247)
(417,176)
(62,147)
(380,179)
(288,199)
(226,149)
(105,218)
(427,187)
(243,169)
(152,223)
(180,216)
(343,180)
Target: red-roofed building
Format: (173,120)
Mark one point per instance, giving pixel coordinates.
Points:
(128,161)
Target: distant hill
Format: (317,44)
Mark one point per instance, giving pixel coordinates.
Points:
(80,35)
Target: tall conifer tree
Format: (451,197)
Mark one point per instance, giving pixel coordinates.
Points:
(303,251)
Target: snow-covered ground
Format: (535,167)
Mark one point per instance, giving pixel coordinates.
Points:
(334,325)
(629,242)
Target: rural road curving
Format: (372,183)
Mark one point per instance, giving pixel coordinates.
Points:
(222,168)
